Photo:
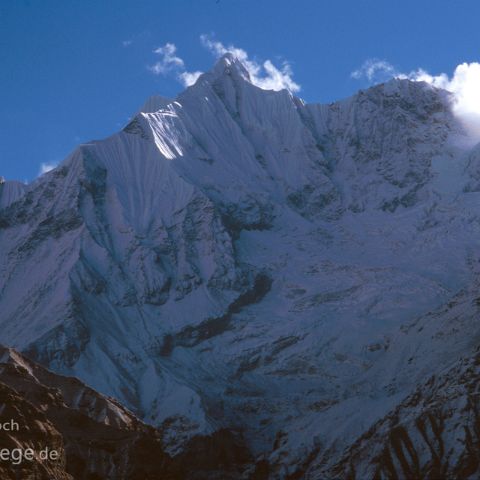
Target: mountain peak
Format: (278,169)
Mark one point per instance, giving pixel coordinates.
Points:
(174,243)
(229,64)
(155,103)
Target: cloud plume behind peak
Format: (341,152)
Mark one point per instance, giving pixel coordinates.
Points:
(264,74)
(464,83)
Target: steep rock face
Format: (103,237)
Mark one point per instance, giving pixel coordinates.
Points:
(382,142)
(252,151)
(10,192)
(424,381)
(473,170)
(433,433)
(98,250)
(236,258)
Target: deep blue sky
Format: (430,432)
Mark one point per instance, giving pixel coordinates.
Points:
(65,76)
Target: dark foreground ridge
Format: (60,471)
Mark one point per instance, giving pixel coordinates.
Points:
(95,437)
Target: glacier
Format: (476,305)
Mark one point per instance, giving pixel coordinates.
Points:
(238,258)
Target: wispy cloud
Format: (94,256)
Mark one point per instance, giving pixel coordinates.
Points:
(464,83)
(168,60)
(170,63)
(375,71)
(126,43)
(189,78)
(46,167)
(264,75)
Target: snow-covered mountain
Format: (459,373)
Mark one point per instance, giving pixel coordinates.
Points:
(236,258)
(10,192)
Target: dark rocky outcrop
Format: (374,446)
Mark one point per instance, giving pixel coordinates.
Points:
(95,437)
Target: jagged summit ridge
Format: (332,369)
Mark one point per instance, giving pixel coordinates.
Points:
(238,258)
(230,65)
(227,65)
(155,103)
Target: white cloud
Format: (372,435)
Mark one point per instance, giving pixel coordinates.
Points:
(375,71)
(265,75)
(126,43)
(168,60)
(464,84)
(46,167)
(277,79)
(189,78)
(171,63)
